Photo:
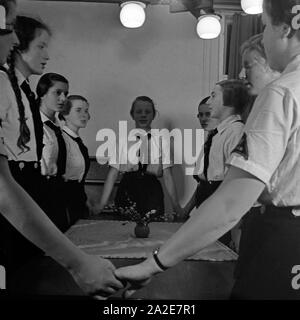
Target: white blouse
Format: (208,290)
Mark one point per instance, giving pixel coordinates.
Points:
(75,166)
(10,125)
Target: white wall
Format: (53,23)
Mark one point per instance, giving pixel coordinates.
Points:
(111,65)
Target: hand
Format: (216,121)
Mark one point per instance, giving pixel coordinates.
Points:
(180,214)
(137,275)
(95,276)
(95,208)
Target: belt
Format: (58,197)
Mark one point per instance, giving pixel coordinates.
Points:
(25,164)
(72,181)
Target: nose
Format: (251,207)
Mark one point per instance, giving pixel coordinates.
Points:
(46,56)
(16,41)
(242,74)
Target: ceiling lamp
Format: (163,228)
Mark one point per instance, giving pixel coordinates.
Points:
(132,14)
(209,26)
(252,6)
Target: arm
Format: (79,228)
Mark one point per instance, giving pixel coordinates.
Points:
(235,197)
(93,275)
(172,192)
(191,204)
(108,186)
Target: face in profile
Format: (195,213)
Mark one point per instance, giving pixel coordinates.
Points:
(216,102)
(9,40)
(55,97)
(204,115)
(36,56)
(256,71)
(143,114)
(78,116)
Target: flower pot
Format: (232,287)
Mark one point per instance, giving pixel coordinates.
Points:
(141,230)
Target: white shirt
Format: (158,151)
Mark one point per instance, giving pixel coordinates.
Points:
(228,136)
(159,152)
(10,124)
(2,148)
(50,150)
(75,166)
(272,136)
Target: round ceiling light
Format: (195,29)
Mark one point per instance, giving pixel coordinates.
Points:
(132,14)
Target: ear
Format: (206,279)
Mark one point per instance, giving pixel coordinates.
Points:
(285,31)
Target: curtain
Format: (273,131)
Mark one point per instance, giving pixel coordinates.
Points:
(243,27)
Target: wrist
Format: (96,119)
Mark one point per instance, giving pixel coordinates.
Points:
(159,265)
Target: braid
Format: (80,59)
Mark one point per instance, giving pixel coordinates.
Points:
(24,130)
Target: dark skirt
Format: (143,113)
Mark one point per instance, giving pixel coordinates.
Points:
(269,252)
(55,207)
(15,249)
(76,201)
(143,189)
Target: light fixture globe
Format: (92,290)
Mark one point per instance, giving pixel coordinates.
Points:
(132,14)
(209,26)
(252,6)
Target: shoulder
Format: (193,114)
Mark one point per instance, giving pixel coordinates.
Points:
(4,80)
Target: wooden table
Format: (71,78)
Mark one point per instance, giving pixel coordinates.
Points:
(206,275)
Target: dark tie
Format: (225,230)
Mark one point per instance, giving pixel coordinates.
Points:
(207,147)
(36,117)
(85,154)
(143,167)
(62,150)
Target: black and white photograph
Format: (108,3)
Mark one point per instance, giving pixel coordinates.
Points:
(149,153)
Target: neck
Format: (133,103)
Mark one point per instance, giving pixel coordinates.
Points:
(229,111)
(145,129)
(292,51)
(22,67)
(47,112)
(71,126)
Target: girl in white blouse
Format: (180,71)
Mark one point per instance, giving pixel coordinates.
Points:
(92,274)
(76,116)
(139,183)
(52,90)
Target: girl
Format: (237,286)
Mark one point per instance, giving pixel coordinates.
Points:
(76,115)
(228,101)
(93,275)
(140,182)
(52,90)
(265,166)
(22,126)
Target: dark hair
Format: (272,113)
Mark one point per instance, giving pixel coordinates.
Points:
(144,99)
(235,94)
(68,105)
(280,12)
(26,31)
(204,101)
(46,82)
(7,6)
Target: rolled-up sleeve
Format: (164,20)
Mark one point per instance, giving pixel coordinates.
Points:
(265,138)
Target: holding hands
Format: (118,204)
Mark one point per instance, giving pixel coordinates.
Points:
(95,276)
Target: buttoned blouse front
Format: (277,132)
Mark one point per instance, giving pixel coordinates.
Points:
(10,124)
(75,166)
(272,137)
(50,150)
(160,153)
(223,143)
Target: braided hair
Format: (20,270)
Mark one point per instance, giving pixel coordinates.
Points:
(24,136)
(25,29)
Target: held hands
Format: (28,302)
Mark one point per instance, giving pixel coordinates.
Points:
(95,276)
(138,275)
